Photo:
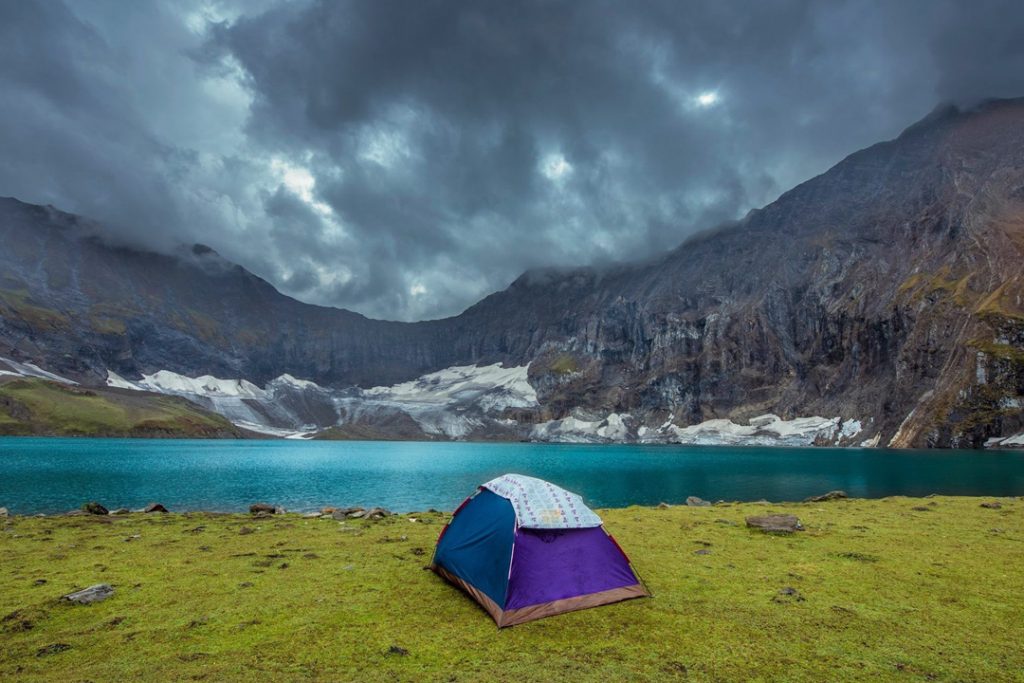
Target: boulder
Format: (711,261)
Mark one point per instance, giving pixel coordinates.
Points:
(94,508)
(87,596)
(831,495)
(663,506)
(279,510)
(312,515)
(245,530)
(261,507)
(155,507)
(992,505)
(775,524)
(345,513)
(695,502)
(376,513)
(3,512)
(119,511)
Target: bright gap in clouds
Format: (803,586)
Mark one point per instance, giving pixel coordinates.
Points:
(555,167)
(300,182)
(707,98)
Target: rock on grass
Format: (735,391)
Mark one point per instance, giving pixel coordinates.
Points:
(775,524)
(831,495)
(94,508)
(87,596)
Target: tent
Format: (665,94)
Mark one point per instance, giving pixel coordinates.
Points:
(525,549)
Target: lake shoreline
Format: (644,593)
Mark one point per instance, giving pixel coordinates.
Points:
(345,513)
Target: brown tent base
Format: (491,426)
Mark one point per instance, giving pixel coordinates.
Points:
(522,615)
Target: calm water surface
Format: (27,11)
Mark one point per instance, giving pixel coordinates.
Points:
(51,475)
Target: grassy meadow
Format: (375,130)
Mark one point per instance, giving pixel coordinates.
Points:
(894,589)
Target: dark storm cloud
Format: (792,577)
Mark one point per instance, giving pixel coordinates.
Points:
(405,158)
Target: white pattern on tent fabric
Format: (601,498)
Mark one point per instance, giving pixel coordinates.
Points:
(541,505)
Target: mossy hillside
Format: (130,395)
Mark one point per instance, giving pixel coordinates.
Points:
(894,589)
(36,406)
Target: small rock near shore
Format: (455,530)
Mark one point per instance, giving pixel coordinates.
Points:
(87,596)
(775,524)
(695,502)
(155,507)
(265,508)
(94,508)
(3,512)
(119,511)
(663,506)
(992,505)
(831,495)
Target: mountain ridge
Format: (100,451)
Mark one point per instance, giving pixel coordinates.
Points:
(885,290)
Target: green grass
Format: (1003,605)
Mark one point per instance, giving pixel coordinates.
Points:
(35,406)
(883,592)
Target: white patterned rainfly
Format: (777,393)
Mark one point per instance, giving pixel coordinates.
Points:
(542,505)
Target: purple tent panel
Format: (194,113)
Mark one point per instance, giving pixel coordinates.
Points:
(554,565)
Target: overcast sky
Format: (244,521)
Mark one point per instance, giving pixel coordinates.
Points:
(404,159)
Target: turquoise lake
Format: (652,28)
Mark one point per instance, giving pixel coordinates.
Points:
(54,475)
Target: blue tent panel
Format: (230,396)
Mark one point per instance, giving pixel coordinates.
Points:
(477,545)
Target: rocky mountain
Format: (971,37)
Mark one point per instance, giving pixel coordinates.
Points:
(884,295)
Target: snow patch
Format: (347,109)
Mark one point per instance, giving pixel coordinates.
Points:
(166,382)
(17,369)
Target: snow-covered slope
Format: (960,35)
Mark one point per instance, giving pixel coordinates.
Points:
(13,368)
(463,402)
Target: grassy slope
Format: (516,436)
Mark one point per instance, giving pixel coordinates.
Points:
(889,593)
(35,406)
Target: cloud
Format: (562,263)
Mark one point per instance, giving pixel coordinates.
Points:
(404,159)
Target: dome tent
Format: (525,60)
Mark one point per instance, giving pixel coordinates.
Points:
(525,549)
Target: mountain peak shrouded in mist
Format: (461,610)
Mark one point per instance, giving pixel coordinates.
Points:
(879,302)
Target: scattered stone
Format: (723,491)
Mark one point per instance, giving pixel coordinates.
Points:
(992,505)
(94,508)
(663,506)
(376,514)
(39,582)
(312,515)
(245,584)
(87,596)
(789,592)
(279,510)
(261,507)
(702,551)
(205,548)
(245,530)
(695,502)
(3,512)
(831,495)
(921,508)
(327,510)
(52,649)
(418,552)
(775,524)
(343,513)
(119,511)
(154,507)
(859,557)
(196,530)
(396,650)
(132,538)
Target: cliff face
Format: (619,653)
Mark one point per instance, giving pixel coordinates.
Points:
(887,290)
